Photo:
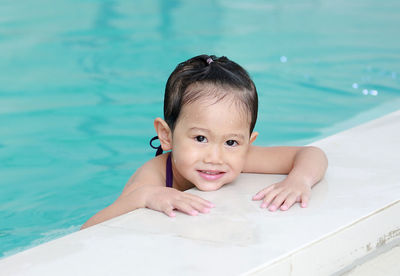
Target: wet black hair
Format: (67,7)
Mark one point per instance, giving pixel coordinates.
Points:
(208,70)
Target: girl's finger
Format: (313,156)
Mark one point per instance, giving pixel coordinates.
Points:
(304,200)
(278,201)
(186,208)
(268,198)
(168,210)
(290,200)
(262,193)
(202,201)
(199,206)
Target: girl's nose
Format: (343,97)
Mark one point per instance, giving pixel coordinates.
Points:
(213,155)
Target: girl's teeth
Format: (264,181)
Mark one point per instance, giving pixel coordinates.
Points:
(210,172)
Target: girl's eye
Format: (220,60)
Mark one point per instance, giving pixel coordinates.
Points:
(201,139)
(231,143)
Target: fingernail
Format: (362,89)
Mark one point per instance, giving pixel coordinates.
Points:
(264,205)
(272,208)
(194,213)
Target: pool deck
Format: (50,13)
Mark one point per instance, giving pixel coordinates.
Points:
(353,215)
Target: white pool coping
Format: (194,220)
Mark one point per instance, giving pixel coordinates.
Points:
(353,212)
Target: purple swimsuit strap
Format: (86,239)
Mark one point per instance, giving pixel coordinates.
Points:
(168,172)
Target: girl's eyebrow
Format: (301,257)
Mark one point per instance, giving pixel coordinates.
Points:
(199,129)
(239,136)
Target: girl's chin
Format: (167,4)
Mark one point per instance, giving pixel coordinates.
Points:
(208,187)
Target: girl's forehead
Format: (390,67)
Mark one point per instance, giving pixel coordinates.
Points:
(214,113)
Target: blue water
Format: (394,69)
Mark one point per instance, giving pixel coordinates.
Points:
(82,81)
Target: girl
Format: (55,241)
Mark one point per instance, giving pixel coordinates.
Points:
(210,110)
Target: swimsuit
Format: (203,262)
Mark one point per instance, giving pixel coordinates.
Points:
(168,172)
(168,168)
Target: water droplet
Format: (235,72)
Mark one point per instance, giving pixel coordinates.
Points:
(355,85)
(283,59)
(373,92)
(365,91)
(394,75)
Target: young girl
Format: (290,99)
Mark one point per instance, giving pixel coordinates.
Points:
(210,110)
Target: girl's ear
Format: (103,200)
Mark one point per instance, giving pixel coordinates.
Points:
(164,133)
(253,137)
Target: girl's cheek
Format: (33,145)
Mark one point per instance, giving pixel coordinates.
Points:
(241,160)
(187,151)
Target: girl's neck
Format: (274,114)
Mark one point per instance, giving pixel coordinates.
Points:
(179,182)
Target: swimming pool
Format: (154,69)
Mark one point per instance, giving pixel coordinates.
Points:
(82,82)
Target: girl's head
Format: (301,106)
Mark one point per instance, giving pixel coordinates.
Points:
(209,77)
(210,109)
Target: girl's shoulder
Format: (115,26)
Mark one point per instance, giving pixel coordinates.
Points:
(275,159)
(150,173)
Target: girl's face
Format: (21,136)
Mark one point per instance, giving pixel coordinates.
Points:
(210,143)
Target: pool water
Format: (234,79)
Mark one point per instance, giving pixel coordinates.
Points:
(82,81)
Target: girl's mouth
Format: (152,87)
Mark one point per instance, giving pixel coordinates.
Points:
(211,175)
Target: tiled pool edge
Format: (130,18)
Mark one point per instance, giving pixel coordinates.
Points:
(329,254)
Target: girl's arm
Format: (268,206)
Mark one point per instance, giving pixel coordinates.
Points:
(146,189)
(132,196)
(305,166)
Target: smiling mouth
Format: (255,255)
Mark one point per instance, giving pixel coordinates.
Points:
(211,175)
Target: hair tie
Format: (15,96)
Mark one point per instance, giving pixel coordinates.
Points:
(210,60)
(159,148)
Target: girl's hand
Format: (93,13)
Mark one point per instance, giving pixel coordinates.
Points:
(284,193)
(166,200)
